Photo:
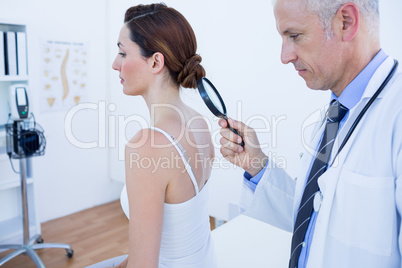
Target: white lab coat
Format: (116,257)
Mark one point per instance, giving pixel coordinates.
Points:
(359,221)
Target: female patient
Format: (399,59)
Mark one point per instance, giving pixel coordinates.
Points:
(167,165)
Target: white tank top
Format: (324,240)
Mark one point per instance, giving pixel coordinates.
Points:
(186,237)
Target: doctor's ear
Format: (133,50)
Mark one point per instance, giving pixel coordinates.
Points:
(157,62)
(349,18)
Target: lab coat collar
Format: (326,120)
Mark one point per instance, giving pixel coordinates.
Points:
(353,93)
(378,78)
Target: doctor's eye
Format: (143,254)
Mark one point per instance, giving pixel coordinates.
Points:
(294,36)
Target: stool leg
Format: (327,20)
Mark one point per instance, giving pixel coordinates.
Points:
(14,246)
(51,245)
(35,258)
(12,255)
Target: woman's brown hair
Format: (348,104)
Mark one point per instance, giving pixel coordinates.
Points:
(158,28)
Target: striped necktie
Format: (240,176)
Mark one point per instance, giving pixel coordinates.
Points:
(334,115)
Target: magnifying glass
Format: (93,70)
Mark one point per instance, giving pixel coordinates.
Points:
(214,101)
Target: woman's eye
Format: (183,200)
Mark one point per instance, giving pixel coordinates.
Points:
(122,54)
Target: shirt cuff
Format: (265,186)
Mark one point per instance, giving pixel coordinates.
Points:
(252,182)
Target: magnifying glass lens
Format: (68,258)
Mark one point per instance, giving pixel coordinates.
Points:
(213,97)
(214,101)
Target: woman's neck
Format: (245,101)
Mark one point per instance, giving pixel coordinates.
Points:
(163,101)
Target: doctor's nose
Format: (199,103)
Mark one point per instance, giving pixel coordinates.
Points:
(288,55)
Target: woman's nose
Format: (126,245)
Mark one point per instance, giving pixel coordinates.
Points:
(115,66)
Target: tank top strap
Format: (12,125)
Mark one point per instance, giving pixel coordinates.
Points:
(182,152)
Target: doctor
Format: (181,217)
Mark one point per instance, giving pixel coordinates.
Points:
(344,208)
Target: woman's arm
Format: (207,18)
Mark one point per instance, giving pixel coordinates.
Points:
(146,187)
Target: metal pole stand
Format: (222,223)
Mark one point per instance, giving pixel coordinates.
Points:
(29,245)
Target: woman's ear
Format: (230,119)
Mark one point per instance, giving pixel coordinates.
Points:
(350,18)
(156,62)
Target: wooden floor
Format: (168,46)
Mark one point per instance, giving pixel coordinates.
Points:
(95,235)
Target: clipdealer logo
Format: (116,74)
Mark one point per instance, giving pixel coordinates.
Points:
(112,131)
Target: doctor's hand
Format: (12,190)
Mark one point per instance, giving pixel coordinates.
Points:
(250,157)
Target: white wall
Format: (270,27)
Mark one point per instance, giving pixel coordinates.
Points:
(67,179)
(240,49)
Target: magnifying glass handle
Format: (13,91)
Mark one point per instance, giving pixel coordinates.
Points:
(234,131)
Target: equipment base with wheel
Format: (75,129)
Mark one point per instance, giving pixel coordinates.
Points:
(30,248)
(36,242)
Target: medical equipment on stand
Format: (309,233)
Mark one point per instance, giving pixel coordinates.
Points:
(25,138)
(18,101)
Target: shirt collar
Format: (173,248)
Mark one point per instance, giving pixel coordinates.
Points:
(352,94)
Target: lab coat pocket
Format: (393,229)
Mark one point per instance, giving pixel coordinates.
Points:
(363,212)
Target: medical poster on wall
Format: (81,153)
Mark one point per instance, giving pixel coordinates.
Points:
(64,75)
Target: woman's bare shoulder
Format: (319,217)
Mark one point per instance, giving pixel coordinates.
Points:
(146,157)
(148,141)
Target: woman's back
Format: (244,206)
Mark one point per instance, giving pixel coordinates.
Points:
(191,131)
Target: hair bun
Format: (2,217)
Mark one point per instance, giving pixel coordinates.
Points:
(191,72)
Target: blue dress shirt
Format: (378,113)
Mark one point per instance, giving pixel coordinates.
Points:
(349,98)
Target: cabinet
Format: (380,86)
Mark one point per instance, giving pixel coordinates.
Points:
(11,226)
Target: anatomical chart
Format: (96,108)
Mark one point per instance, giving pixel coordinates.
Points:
(64,75)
